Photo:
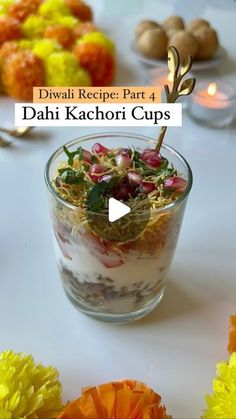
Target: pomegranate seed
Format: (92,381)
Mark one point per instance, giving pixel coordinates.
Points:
(96,170)
(147,152)
(154,161)
(151,157)
(123,158)
(124,192)
(147,187)
(176,183)
(109,261)
(100,149)
(134,178)
(87,156)
(105,178)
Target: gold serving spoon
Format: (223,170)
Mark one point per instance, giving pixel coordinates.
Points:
(14,132)
(17,132)
(179,87)
(4,143)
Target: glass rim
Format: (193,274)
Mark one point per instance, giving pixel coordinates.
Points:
(143,138)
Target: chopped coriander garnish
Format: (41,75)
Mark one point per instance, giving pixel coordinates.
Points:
(72,154)
(98,194)
(71,177)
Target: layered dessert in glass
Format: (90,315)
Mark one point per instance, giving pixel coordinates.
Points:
(116,271)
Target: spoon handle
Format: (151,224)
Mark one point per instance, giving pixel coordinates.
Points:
(17,132)
(4,143)
(6,130)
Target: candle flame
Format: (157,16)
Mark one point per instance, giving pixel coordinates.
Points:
(170,77)
(212,89)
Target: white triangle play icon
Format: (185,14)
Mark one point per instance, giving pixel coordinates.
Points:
(116,210)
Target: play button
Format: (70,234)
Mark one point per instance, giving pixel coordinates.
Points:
(117,210)
(116,220)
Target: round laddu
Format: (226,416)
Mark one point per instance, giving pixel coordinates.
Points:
(196,24)
(170,32)
(173,22)
(144,26)
(208,43)
(153,43)
(185,43)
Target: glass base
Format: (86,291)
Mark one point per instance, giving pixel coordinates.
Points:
(117,318)
(211,122)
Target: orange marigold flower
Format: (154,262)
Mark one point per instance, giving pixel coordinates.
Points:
(232,334)
(124,400)
(20,10)
(22,71)
(9,29)
(97,61)
(62,34)
(7,49)
(81,10)
(83,28)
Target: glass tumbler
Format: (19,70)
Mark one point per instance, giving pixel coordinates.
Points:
(112,280)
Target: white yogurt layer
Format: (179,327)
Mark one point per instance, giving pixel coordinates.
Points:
(132,269)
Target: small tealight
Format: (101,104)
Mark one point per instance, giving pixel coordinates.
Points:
(213,104)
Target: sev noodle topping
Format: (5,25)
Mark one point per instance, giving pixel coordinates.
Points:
(140,179)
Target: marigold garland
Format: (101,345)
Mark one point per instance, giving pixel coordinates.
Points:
(21,71)
(83,28)
(60,33)
(98,38)
(9,29)
(46,27)
(21,9)
(62,69)
(127,399)
(7,49)
(45,47)
(97,61)
(4,6)
(81,10)
(34,26)
(69,21)
(51,9)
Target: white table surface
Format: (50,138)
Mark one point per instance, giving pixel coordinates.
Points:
(175,349)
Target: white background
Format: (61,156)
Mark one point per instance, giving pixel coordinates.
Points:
(176,348)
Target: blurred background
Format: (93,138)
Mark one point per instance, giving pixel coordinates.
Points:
(121,17)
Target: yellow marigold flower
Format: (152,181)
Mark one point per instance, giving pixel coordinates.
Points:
(34,26)
(44,47)
(4,6)
(51,9)
(222,403)
(28,390)
(69,21)
(98,38)
(26,44)
(62,69)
